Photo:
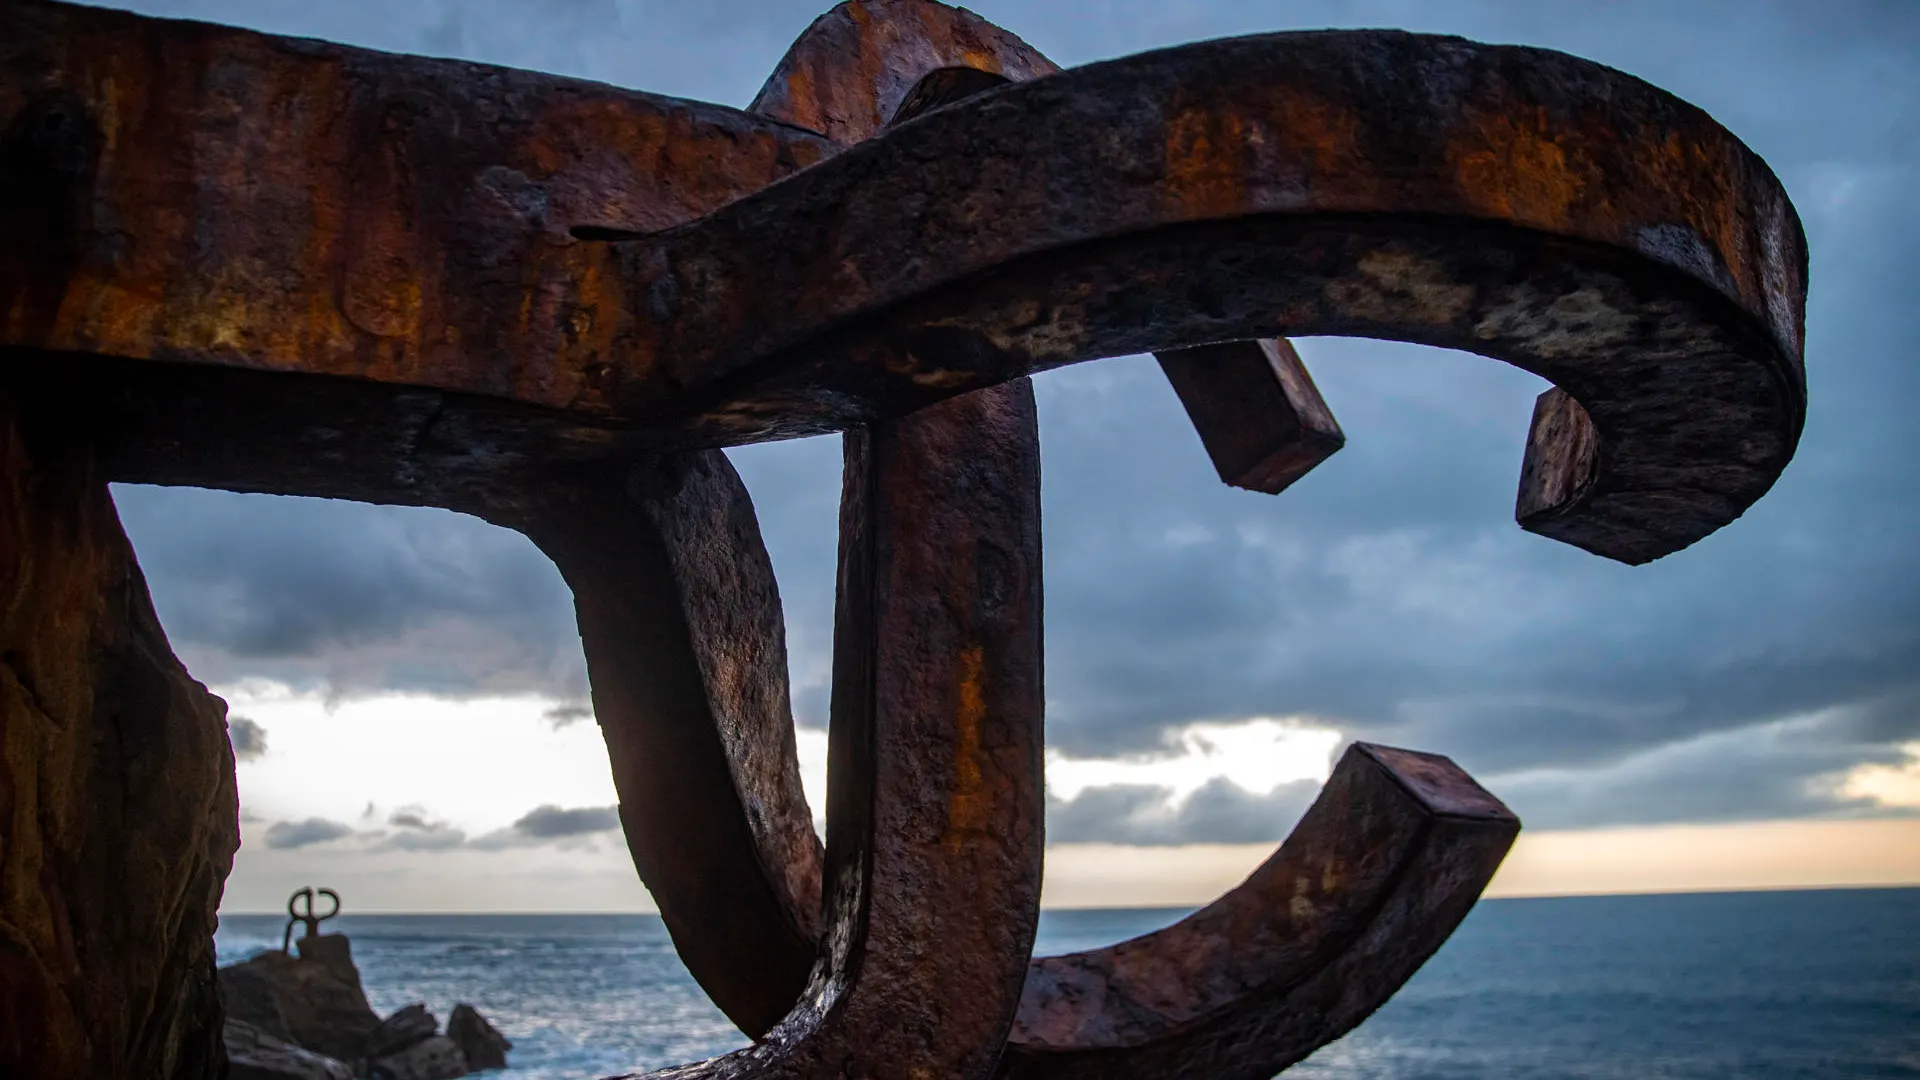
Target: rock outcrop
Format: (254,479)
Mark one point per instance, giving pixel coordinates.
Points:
(314,995)
(405,1028)
(257,1055)
(304,1016)
(432,1058)
(118,816)
(484,1047)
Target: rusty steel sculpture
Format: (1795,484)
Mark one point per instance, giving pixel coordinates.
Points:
(303,910)
(264,264)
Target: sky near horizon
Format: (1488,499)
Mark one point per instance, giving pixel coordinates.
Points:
(409,699)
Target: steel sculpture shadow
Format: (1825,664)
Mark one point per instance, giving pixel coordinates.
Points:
(264,264)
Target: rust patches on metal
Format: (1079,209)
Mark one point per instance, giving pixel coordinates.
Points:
(680,620)
(698,339)
(847,75)
(1311,134)
(971,806)
(547,302)
(1563,451)
(907,984)
(1260,417)
(459,183)
(1388,860)
(1205,163)
(1518,169)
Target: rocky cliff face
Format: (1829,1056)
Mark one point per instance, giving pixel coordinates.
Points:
(313,999)
(118,815)
(304,1016)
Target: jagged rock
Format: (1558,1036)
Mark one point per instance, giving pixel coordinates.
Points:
(433,1058)
(403,1029)
(254,1054)
(247,991)
(316,994)
(483,1045)
(120,817)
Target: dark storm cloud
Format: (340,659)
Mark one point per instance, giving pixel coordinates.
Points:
(1219,813)
(1389,594)
(351,597)
(442,838)
(415,831)
(562,715)
(1780,769)
(287,835)
(549,822)
(249,739)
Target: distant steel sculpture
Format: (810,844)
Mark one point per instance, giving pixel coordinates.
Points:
(275,265)
(303,910)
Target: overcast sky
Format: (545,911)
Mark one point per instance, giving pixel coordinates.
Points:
(1208,649)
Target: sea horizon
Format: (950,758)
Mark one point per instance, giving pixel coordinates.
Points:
(1575,895)
(1791,984)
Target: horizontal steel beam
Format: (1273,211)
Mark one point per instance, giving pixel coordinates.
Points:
(181,194)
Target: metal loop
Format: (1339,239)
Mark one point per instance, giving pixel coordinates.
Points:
(310,917)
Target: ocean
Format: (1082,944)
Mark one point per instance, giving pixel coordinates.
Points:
(1781,985)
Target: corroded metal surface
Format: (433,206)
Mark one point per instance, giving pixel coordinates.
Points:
(1503,212)
(1528,205)
(1387,862)
(1258,413)
(278,265)
(680,620)
(212,195)
(935,789)
(849,73)
(1253,402)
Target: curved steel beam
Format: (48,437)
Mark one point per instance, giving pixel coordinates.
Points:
(1528,205)
(695,710)
(934,770)
(1389,859)
(517,322)
(1256,410)
(680,615)
(847,75)
(741,893)
(1044,1045)
(853,67)
(680,621)
(192,193)
(1534,207)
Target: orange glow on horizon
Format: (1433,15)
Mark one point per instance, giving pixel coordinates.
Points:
(1660,858)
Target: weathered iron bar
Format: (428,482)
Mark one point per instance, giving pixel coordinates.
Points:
(265,264)
(680,620)
(1392,855)
(1535,207)
(935,800)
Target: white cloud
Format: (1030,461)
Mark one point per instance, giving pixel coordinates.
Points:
(290,835)
(811,743)
(1256,755)
(1887,785)
(475,765)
